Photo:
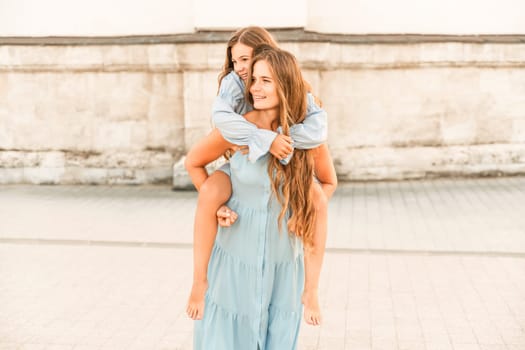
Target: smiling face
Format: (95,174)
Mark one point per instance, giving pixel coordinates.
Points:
(241,59)
(263,87)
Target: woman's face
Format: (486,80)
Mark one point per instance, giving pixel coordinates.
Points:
(242,59)
(263,88)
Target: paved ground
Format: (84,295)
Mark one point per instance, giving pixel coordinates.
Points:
(420,265)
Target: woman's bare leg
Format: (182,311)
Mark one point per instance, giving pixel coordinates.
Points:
(313,259)
(214,192)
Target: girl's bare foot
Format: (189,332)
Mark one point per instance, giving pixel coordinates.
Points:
(312,311)
(195,308)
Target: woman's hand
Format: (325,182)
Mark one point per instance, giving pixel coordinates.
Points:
(225,216)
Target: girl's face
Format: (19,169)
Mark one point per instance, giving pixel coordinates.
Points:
(241,59)
(263,88)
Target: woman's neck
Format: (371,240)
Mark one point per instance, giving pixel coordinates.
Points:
(264,119)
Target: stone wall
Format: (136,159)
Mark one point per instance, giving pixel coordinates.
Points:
(124,111)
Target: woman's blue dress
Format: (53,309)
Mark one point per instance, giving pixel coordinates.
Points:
(255,274)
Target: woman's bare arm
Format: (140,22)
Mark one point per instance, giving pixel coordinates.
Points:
(324,170)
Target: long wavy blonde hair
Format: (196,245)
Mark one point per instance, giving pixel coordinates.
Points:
(291,183)
(250,36)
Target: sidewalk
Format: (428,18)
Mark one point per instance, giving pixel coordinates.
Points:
(421,265)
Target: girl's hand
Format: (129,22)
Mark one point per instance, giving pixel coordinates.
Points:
(281,146)
(225,216)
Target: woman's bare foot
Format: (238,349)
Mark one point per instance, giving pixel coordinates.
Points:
(312,311)
(195,308)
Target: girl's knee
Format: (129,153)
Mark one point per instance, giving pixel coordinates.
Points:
(215,190)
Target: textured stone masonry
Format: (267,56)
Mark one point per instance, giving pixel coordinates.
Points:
(126,112)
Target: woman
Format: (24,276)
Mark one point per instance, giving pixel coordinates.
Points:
(256,270)
(215,190)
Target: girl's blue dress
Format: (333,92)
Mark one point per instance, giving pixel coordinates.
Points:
(255,274)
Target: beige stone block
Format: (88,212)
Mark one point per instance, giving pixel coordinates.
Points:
(174,85)
(388,163)
(216,56)
(4,57)
(20,98)
(43,175)
(410,54)
(121,96)
(163,56)
(13,56)
(476,52)
(31,56)
(74,132)
(333,56)
(510,106)
(502,82)
(336,125)
(11,176)
(30,135)
(11,159)
(379,106)
(83,57)
(313,77)
(166,109)
(294,48)
(130,135)
(161,159)
(454,52)
(6,133)
(85,175)
(518,130)
(139,55)
(512,53)
(382,54)
(192,56)
(165,135)
(181,179)
(114,56)
(3,91)
(355,54)
(157,175)
(494,130)
(130,100)
(459,132)
(315,54)
(71,94)
(200,89)
(122,177)
(462,112)
(52,160)
(417,130)
(166,98)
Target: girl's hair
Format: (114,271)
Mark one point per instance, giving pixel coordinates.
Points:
(249,36)
(290,183)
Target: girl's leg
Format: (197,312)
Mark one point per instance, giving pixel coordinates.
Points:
(313,259)
(214,192)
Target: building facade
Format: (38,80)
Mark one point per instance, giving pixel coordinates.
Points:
(110,96)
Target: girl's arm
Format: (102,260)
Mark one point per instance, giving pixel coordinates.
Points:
(230,102)
(312,132)
(204,152)
(324,170)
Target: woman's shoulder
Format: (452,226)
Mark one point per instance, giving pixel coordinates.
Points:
(251,116)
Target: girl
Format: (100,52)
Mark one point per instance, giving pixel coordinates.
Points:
(215,190)
(256,267)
